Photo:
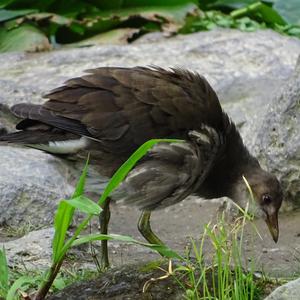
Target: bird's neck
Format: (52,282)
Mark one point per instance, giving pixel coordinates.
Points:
(234,162)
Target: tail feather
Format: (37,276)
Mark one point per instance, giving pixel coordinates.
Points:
(30,137)
(56,143)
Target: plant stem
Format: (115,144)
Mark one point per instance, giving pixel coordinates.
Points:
(43,290)
(46,285)
(244,11)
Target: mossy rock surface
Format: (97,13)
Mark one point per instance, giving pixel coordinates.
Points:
(126,282)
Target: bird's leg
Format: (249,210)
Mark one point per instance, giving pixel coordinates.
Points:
(145,228)
(104,219)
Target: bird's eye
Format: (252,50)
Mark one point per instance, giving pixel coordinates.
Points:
(267,199)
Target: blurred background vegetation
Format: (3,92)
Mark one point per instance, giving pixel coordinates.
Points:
(33,25)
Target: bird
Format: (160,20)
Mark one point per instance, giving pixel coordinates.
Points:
(110,111)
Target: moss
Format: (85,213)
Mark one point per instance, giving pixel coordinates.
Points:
(152,265)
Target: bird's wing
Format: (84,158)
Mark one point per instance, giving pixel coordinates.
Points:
(171,171)
(125,107)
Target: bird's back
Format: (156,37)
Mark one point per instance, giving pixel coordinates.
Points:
(124,107)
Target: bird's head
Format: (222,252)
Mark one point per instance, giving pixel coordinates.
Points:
(268,197)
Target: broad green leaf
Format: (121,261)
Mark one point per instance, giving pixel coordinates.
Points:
(85,205)
(260,11)
(4,3)
(164,250)
(12,14)
(47,17)
(62,221)
(129,164)
(118,4)
(175,14)
(3,270)
(171,15)
(49,22)
(269,15)
(234,4)
(23,38)
(289,10)
(24,280)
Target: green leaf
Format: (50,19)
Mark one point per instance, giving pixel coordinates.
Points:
(289,10)
(162,249)
(172,13)
(234,4)
(11,295)
(64,216)
(62,220)
(170,16)
(85,205)
(129,164)
(260,11)
(4,3)
(59,283)
(12,14)
(118,4)
(47,17)
(23,38)
(3,271)
(79,190)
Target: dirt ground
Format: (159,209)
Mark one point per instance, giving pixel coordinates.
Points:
(177,224)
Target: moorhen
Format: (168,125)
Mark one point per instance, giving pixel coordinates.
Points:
(111,111)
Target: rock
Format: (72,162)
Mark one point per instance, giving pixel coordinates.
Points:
(126,282)
(31,184)
(32,251)
(277,143)
(246,70)
(289,291)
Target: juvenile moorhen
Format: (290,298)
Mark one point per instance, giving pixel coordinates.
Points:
(111,111)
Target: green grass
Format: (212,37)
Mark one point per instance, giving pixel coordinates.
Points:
(219,270)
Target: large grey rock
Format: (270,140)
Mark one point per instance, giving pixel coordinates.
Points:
(32,251)
(31,183)
(277,143)
(246,69)
(289,291)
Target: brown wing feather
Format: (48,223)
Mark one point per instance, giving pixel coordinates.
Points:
(125,107)
(171,171)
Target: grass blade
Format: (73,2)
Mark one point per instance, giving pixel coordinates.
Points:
(4,275)
(79,190)
(166,251)
(85,205)
(63,218)
(11,295)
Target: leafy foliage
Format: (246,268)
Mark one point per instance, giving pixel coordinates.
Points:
(121,21)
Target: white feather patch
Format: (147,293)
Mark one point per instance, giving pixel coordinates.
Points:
(64,147)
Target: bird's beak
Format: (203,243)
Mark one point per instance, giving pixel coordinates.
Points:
(272,222)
